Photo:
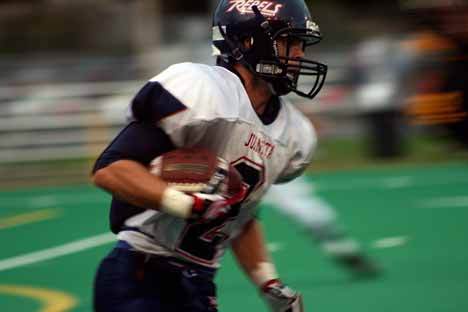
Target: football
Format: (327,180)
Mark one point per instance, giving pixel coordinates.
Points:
(194,170)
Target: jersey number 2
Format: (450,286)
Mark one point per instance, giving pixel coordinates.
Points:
(200,241)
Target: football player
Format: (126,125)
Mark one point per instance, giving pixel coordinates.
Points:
(320,221)
(170,245)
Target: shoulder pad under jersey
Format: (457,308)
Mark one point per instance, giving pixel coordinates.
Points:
(188,94)
(302,140)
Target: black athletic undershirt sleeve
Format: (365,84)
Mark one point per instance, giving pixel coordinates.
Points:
(138,141)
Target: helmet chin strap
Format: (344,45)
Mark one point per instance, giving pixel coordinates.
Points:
(237,50)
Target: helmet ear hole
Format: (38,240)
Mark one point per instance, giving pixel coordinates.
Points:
(247,42)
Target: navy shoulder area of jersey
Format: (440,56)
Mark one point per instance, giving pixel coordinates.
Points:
(208,92)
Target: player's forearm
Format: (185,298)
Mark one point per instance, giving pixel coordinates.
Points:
(252,255)
(131,182)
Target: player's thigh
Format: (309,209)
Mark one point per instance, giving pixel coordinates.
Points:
(200,294)
(118,288)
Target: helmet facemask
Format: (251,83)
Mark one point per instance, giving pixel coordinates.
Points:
(288,73)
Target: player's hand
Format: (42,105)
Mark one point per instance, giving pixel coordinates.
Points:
(208,207)
(281,298)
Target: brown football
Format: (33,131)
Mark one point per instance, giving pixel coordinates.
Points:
(234,182)
(192,169)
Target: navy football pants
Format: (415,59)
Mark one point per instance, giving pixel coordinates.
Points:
(128,281)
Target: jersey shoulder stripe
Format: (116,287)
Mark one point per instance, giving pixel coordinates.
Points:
(210,91)
(153,103)
(205,92)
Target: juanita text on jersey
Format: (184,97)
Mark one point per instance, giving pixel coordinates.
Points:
(260,146)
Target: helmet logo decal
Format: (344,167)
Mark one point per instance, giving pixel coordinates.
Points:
(267,8)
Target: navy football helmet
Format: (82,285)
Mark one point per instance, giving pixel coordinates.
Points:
(262,23)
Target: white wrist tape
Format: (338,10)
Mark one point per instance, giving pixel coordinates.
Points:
(264,272)
(176,203)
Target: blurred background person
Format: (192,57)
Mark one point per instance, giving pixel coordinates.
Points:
(440,81)
(299,201)
(377,70)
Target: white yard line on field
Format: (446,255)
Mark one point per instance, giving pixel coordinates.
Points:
(389,242)
(274,246)
(388,182)
(55,252)
(445,202)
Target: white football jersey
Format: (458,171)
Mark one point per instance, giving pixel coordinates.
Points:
(219,116)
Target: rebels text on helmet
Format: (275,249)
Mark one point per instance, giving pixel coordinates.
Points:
(267,8)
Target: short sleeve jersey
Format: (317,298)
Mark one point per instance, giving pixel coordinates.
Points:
(207,106)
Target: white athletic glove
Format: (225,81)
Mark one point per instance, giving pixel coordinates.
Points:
(281,298)
(203,202)
(204,207)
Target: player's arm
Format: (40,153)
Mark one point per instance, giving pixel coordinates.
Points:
(122,170)
(252,255)
(130,181)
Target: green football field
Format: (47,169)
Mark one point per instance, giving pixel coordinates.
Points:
(412,220)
